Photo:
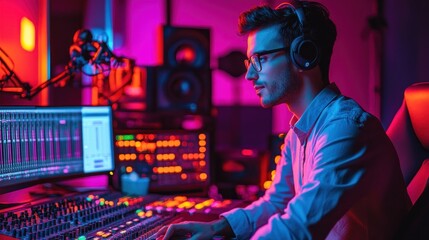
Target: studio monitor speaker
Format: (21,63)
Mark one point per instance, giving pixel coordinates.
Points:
(183,90)
(186,47)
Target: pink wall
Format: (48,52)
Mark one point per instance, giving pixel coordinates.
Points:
(350,67)
(350,64)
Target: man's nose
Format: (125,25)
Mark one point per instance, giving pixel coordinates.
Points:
(251,74)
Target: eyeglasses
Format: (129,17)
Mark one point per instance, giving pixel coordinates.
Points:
(256,61)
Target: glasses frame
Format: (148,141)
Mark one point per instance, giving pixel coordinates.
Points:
(255,61)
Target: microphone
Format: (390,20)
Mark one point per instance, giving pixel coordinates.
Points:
(87,50)
(83,48)
(82,36)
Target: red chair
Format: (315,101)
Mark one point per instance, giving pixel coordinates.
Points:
(409,132)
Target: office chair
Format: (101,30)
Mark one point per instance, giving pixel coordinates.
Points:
(409,132)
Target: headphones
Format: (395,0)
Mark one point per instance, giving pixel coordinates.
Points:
(303,51)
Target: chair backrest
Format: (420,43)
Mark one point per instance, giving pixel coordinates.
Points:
(409,132)
(409,129)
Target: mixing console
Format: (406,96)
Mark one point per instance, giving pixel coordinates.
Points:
(106,216)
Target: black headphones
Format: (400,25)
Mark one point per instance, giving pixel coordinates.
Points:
(303,51)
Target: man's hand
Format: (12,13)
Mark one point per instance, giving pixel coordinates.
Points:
(195,230)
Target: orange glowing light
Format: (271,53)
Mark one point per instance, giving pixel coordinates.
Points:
(267,184)
(203,176)
(28,34)
(151,147)
(273,174)
(208,202)
(277,159)
(202,136)
(177,169)
(199,206)
(180,198)
(129,169)
(149,214)
(149,159)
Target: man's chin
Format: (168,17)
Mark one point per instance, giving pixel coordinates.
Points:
(266,104)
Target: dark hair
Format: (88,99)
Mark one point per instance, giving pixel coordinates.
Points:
(318,26)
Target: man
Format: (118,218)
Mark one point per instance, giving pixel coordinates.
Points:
(339,175)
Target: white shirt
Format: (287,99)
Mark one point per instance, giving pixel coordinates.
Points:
(338,178)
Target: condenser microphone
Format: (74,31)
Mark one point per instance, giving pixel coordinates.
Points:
(82,36)
(83,49)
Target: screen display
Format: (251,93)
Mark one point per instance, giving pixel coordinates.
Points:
(42,143)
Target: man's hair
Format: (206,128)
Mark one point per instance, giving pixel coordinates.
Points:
(318,26)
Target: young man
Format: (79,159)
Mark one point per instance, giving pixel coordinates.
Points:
(339,175)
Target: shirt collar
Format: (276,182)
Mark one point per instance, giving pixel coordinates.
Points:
(302,126)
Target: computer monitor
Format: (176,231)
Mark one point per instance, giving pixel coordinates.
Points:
(42,144)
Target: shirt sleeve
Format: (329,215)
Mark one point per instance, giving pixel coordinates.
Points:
(245,221)
(334,182)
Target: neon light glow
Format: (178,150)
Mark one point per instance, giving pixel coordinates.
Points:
(28,34)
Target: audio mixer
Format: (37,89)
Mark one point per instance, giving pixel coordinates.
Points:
(50,144)
(107,215)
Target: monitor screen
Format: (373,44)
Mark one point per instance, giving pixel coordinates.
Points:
(38,144)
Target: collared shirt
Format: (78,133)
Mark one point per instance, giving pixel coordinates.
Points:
(338,178)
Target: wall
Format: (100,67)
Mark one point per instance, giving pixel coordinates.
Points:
(350,68)
(30,66)
(406,51)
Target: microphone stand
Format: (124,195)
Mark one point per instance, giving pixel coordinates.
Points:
(24,89)
(102,55)
(18,85)
(30,93)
